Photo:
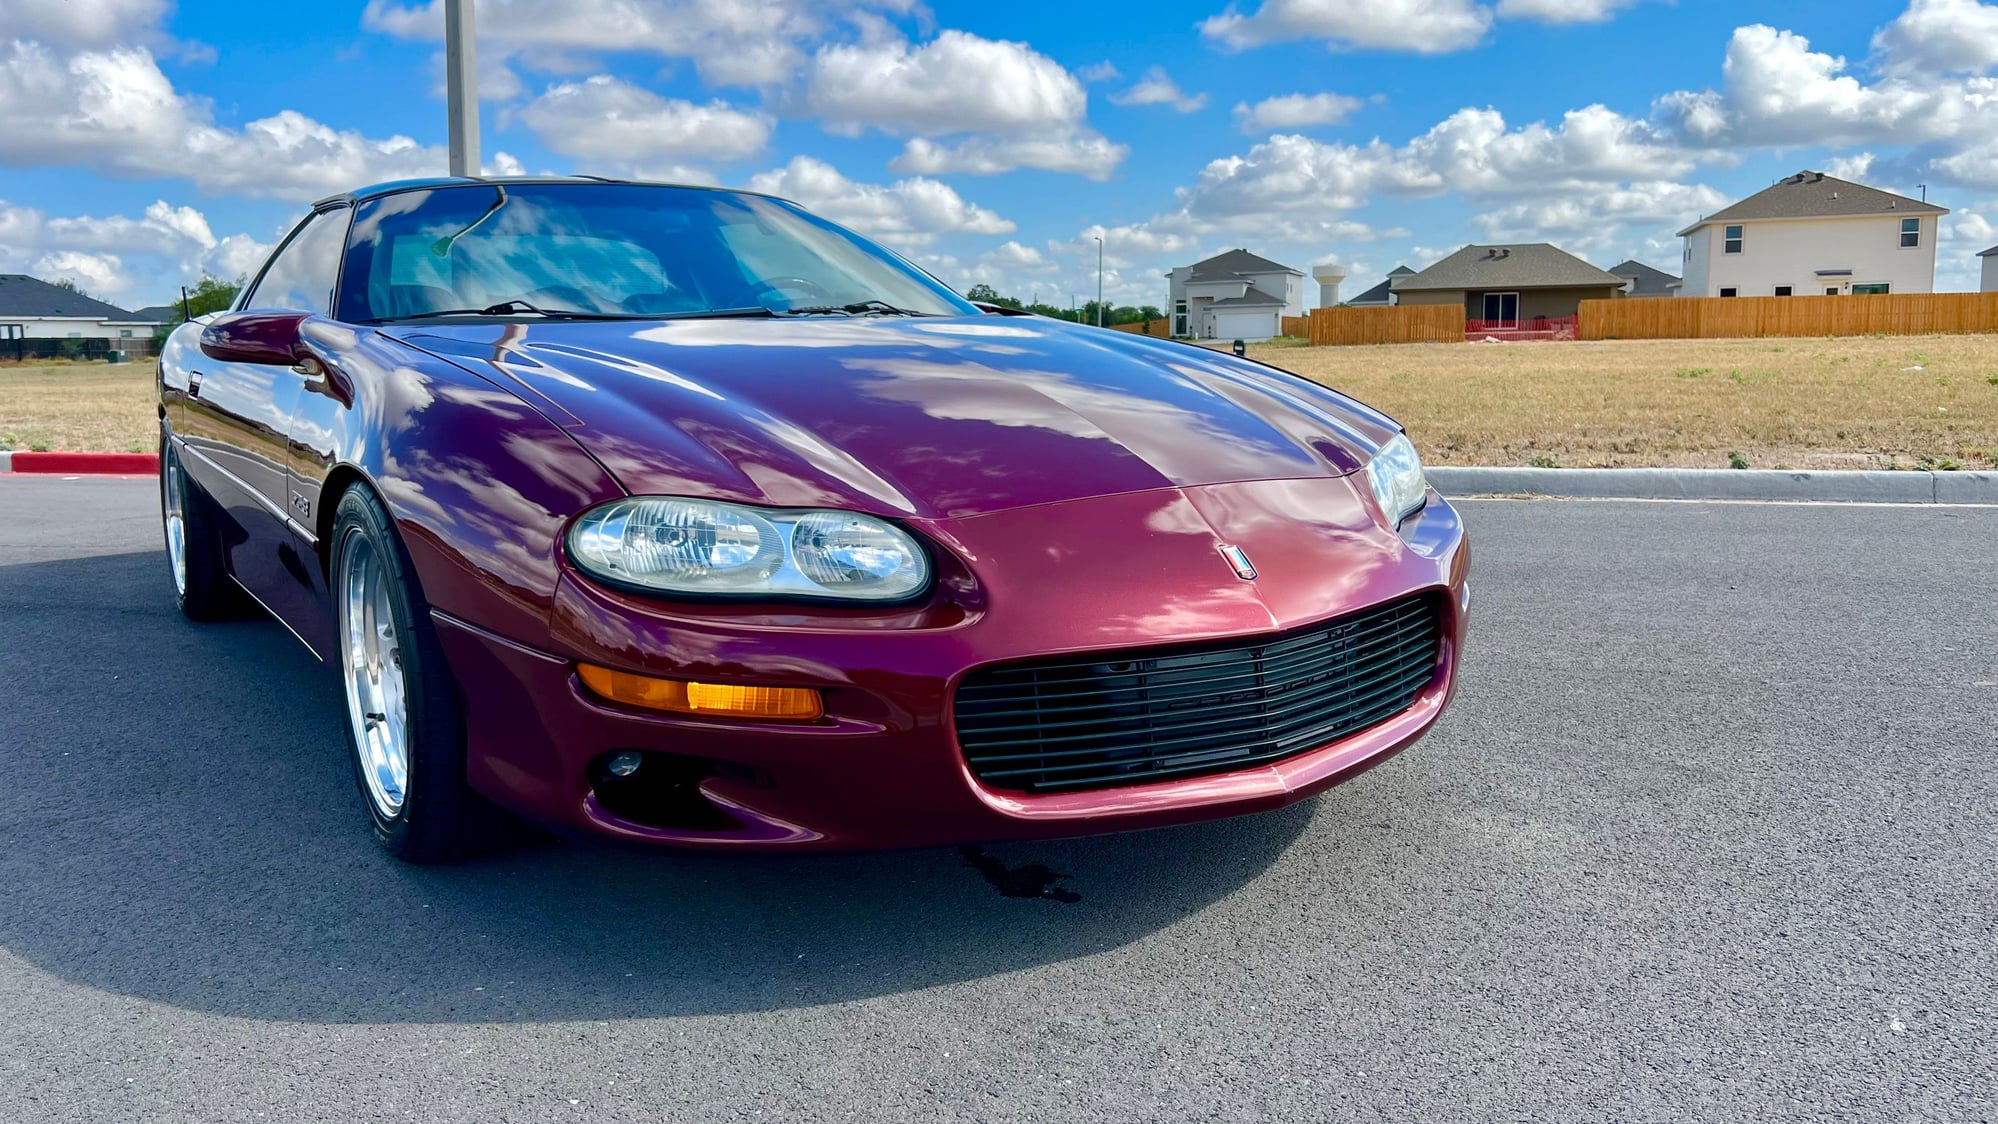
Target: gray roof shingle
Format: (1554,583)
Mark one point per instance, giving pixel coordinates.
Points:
(1644,280)
(1990,253)
(22,295)
(1529,265)
(1223,266)
(1812,195)
(1254,298)
(1379,293)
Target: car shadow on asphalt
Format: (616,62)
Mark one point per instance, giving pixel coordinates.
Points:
(178,823)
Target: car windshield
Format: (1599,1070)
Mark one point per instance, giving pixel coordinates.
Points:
(616,250)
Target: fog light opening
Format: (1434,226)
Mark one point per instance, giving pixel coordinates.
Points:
(659,790)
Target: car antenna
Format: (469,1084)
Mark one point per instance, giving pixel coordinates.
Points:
(442,247)
(186,309)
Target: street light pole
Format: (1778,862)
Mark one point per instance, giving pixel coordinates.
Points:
(461,87)
(1099,280)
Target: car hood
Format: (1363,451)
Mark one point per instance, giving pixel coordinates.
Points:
(930,417)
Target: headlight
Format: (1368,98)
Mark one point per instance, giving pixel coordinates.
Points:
(1396,476)
(704,548)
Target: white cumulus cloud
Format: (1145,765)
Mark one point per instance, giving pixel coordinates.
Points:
(115,113)
(907,212)
(1561,11)
(83,23)
(1158,88)
(1421,26)
(1596,221)
(956,83)
(122,257)
(1938,36)
(1295,111)
(1080,152)
(730,42)
(606,119)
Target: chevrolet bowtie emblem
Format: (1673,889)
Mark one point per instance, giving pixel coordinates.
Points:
(1237,558)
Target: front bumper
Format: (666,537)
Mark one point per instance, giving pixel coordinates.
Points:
(884,769)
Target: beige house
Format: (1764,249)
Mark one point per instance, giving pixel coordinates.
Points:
(1504,286)
(1813,234)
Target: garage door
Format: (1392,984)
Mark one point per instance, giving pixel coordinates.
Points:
(1244,325)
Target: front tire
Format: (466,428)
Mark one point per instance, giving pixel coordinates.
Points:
(405,728)
(202,587)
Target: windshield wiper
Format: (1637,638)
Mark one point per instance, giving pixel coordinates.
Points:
(857,308)
(513,308)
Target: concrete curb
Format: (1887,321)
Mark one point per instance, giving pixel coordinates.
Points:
(1719,484)
(81,464)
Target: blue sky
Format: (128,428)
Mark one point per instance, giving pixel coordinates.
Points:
(993,142)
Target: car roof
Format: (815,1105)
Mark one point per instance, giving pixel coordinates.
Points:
(393,187)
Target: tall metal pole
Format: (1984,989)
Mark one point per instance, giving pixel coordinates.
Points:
(461,87)
(1099,281)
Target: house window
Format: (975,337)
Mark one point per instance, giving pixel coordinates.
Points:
(1783,290)
(1730,291)
(1731,240)
(1831,290)
(124,333)
(1911,232)
(1501,310)
(1867,290)
(1179,318)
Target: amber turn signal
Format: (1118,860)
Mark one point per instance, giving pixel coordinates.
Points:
(712,700)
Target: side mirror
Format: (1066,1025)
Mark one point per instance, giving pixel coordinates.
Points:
(255,337)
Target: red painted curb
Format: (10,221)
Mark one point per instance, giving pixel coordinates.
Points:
(87,464)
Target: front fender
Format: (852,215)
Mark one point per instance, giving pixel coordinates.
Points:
(479,483)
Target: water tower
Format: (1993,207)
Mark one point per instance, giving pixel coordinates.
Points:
(1328,275)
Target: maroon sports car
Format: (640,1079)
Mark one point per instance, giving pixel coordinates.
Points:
(683,516)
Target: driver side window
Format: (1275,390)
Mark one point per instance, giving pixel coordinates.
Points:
(300,278)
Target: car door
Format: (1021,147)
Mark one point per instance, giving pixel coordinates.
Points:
(236,425)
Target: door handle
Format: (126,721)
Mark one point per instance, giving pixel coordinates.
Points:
(194,384)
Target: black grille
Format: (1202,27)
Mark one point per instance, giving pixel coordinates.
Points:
(1152,715)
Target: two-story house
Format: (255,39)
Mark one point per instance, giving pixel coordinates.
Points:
(1233,296)
(1813,234)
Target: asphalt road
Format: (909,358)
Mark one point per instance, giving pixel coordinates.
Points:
(1710,834)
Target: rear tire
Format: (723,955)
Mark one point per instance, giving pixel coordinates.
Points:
(405,727)
(203,589)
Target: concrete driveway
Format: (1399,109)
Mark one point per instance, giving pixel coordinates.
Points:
(1711,834)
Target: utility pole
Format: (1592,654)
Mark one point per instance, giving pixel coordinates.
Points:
(461,87)
(1099,280)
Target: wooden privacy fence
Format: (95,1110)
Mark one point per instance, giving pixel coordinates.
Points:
(1298,326)
(1158,327)
(1717,317)
(1401,323)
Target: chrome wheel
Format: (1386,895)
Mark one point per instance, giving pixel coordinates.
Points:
(174,507)
(376,698)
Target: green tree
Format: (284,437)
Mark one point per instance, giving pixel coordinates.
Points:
(990,295)
(210,294)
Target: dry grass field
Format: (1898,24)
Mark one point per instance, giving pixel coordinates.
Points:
(1793,403)
(78,407)
(1768,403)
